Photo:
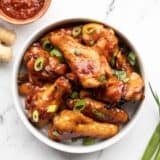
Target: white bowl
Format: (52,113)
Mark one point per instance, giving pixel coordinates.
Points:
(135,111)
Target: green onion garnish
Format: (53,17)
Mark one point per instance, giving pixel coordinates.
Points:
(57,53)
(132,58)
(88,141)
(97,113)
(79,105)
(35,116)
(121,75)
(47,45)
(92,42)
(113,61)
(76,31)
(102,78)
(77,52)
(74,94)
(52,108)
(38,64)
(55,133)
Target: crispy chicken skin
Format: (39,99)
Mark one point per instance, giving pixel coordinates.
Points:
(70,124)
(52,66)
(84,61)
(40,100)
(98,111)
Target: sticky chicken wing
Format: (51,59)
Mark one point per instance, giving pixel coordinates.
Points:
(84,61)
(69,124)
(111,91)
(41,66)
(43,103)
(98,111)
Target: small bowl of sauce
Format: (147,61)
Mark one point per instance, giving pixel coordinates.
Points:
(23,11)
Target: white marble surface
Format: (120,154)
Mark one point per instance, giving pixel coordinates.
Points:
(140,20)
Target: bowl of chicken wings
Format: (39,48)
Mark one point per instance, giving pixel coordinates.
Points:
(78,85)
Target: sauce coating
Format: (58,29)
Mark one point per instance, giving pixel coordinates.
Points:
(21,9)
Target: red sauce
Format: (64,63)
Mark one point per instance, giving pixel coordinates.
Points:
(21,9)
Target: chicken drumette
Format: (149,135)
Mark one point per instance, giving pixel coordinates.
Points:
(84,61)
(69,124)
(98,111)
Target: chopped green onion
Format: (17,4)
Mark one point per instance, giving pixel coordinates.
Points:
(92,42)
(132,58)
(90,30)
(35,116)
(47,45)
(74,94)
(77,52)
(102,78)
(79,105)
(97,113)
(88,141)
(52,108)
(121,75)
(76,31)
(55,133)
(57,53)
(113,61)
(38,64)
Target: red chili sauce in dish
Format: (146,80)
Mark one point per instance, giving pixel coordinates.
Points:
(21,9)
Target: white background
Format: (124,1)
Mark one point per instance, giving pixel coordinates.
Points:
(140,21)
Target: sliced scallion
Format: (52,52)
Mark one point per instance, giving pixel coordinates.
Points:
(88,141)
(55,133)
(74,94)
(121,75)
(57,53)
(35,116)
(47,45)
(132,58)
(97,113)
(79,105)
(76,31)
(38,64)
(102,78)
(52,108)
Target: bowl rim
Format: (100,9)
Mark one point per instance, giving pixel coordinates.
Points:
(36,132)
(42,11)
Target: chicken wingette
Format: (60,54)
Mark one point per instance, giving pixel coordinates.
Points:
(44,102)
(69,124)
(41,66)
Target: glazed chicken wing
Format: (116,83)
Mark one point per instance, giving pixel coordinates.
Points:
(41,66)
(69,124)
(98,111)
(111,91)
(44,102)
(84,61)
(134,89)
(105,40)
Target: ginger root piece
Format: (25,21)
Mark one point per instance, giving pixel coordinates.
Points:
(7,36)
(5,53)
